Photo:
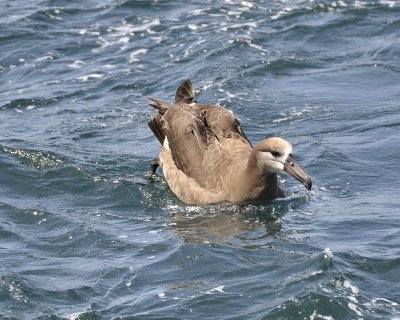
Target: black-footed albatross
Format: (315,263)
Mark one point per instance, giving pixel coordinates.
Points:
(207,158)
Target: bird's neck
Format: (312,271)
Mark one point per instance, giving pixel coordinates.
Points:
(261,183)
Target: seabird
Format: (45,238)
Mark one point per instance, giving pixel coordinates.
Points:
(207,158)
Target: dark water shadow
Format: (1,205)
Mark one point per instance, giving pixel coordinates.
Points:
(248,225)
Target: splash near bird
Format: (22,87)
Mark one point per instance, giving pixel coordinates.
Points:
(207,158)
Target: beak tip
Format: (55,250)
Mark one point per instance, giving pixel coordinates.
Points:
(308,184)
(293,168)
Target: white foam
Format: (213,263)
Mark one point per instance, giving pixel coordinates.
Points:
(193,209)
(353,307)
(44,58)
(157,39)
(291,115)
(384,300)
(328,254)
(247,4)
(359,4)
(124,40)
(217,289)
(234,13)
(256,46)
(16,292)
(352,299)
(161,295)
(197,12)
(206,85)
(91,76)
(172,207)
(147,25)
(347,284)
(389,3)
(103,44)
(315,273)
(129,29)
(315,316)
(76,64)
(192,26)
(282,13)
(133,56)
(94,33)
(74,316)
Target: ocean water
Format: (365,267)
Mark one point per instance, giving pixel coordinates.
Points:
(85,235)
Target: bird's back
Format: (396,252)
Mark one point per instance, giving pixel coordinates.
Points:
(206,143)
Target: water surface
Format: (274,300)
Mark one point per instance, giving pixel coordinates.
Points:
(85,235)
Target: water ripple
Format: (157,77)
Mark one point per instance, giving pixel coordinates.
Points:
(85,234)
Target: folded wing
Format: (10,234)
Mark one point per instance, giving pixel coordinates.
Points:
(201,137)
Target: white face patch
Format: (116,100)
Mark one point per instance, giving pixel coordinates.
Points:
(290,151)
(267,161)
(263,157)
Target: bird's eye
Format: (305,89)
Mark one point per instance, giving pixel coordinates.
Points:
(276,154)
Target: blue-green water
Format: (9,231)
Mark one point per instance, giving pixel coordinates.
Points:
(84,235)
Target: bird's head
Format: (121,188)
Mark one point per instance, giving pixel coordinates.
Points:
(275,155)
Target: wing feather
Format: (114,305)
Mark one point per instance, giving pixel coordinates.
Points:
(204,139)
(187,138)
(223,123)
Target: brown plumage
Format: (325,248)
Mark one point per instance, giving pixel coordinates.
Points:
(207,158)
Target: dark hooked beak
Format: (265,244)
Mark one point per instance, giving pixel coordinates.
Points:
(292,167)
